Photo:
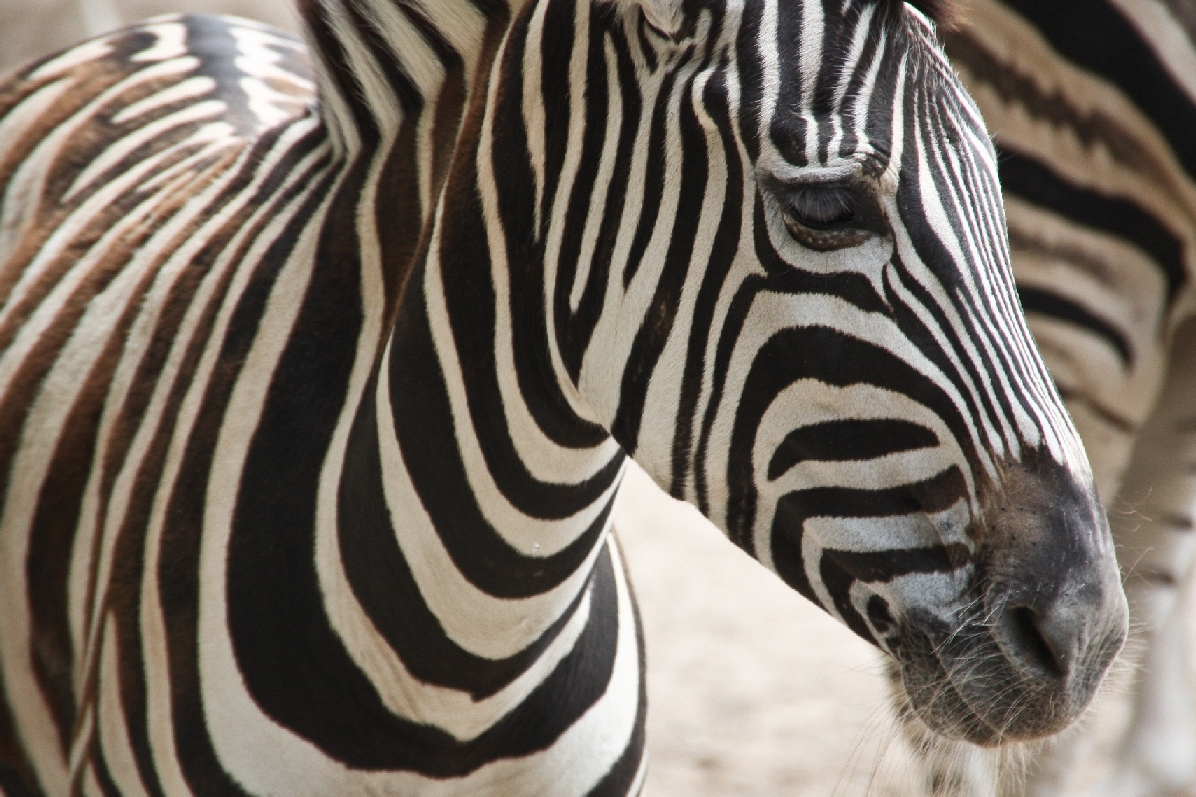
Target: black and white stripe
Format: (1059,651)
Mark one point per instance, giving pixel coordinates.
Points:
(1093,113)
(316,403)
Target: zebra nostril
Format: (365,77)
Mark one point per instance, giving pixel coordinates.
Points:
(1030,642)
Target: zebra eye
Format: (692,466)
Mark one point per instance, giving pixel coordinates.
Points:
(827,217)
(821,208)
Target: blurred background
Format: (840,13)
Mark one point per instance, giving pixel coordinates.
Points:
(753,691)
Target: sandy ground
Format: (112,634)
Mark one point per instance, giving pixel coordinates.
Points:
(754,692)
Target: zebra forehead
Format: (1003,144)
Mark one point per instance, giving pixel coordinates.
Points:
(668,14)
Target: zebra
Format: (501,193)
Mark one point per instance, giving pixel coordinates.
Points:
(318,384)
(1093,112)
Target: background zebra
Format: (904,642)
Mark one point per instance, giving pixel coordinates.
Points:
(1093,109)
(1008,414)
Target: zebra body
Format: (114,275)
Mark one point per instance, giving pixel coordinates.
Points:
(318,387)
(1093,110)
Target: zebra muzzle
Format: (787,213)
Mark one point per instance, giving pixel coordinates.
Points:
(1038,628)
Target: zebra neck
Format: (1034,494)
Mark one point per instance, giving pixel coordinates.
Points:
(516,489)
(500,495)
(469,495)
(381,63)
(395,80)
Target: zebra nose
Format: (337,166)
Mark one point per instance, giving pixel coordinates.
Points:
(1041,646)
(1059,614)
(1049,639)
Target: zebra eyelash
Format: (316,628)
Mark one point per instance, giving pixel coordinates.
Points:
(827,217)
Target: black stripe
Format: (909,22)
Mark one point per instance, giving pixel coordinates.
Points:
(932,495)
(1100,40)
(1024,176)
(653,180)
(471,299)
(339,67)
(419,402)
(1037,300)
(17,778)
(181,537)
(653,335)
(555,56)
(13,785)
(99,766)
(748,65)
(872,567)
(849,439)
(718,266)
(618,781)
(836,359)
(211,41)
(576,336)
(299,673)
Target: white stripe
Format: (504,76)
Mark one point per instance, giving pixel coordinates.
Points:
(155,648)
(850,68)
(624,311)
(186,90)
(545,460)
(40,435)
(37,165)
(809,67)
(114,733)
(119,150)
(534,123)
(1167,39)
(23,193)
(420,63)
(893,532)
(89,535)
(663,397)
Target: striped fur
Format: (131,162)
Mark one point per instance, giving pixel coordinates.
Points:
(317,388)
(1094,117)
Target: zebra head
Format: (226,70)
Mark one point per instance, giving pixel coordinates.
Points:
(776,270)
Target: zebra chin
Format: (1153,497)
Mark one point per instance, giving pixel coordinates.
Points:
(969,686)
(1022,652)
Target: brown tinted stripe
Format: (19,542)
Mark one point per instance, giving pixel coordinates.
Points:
(1095,129)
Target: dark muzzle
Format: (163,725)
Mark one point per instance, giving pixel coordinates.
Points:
(1023,654)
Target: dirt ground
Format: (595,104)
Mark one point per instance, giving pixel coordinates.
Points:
(753,691)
